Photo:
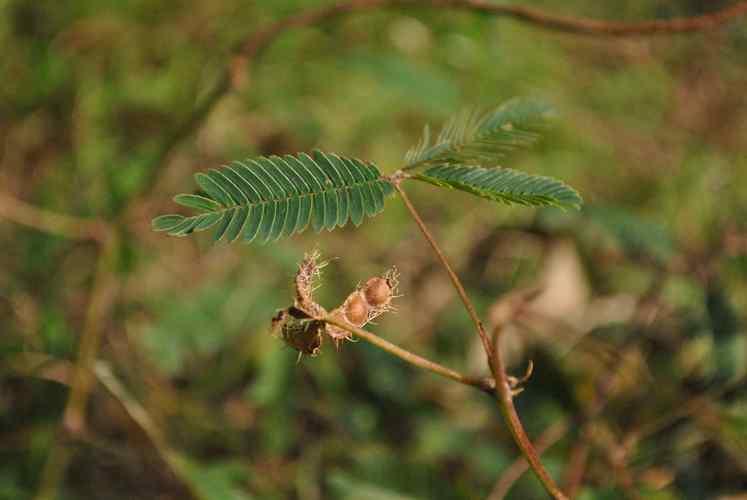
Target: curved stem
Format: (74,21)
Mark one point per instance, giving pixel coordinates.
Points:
(502,389)
(484,384)
(486,344)
(506,399)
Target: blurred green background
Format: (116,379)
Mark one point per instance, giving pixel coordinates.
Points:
(638,335)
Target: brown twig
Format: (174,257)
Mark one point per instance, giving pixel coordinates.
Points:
(67,226)
(484,384)
(486,344)
(547,439)
(503,389)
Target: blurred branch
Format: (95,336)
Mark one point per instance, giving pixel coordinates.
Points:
(483,383)
(503,389)
(45,367)
(102,298)
(139,415)
(247,52)
(644,316)
(575,25)
(46,221)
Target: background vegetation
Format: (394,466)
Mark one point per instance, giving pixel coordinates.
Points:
(638,334)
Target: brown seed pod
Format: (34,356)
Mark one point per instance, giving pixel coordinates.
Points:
(356,309)
(377,291)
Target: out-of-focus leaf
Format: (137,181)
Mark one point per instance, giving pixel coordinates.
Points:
(729,353)
(636,235)
(349,488)
(219,481)
(482,138)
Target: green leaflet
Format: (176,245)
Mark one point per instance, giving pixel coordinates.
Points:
(503,185)
(482,138)
(266,198)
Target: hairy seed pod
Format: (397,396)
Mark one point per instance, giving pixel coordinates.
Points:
(309,271)
(356,309)
(377,291)
(296,329)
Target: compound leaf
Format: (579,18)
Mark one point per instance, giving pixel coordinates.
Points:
(266,198)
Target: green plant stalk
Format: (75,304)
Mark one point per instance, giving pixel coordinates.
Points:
(502,389)
(484,384)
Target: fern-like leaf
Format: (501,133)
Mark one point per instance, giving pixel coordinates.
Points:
(503,185)
(266,198)
(473,138)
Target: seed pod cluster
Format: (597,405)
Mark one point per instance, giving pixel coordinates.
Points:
(301,326)
(367,302)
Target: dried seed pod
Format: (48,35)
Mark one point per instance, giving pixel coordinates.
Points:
(377,291)
(309,270)
(302,326)
(296,329)
(356,309)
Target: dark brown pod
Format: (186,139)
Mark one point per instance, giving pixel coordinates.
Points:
(298,330)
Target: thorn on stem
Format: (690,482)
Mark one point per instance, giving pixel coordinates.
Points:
(515,383)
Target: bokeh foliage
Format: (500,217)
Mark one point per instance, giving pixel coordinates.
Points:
(649,281)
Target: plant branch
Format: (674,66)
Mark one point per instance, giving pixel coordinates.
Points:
(486,344)
(506,399)
(551,435)
(484,384)
(46,221)
(503,389)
